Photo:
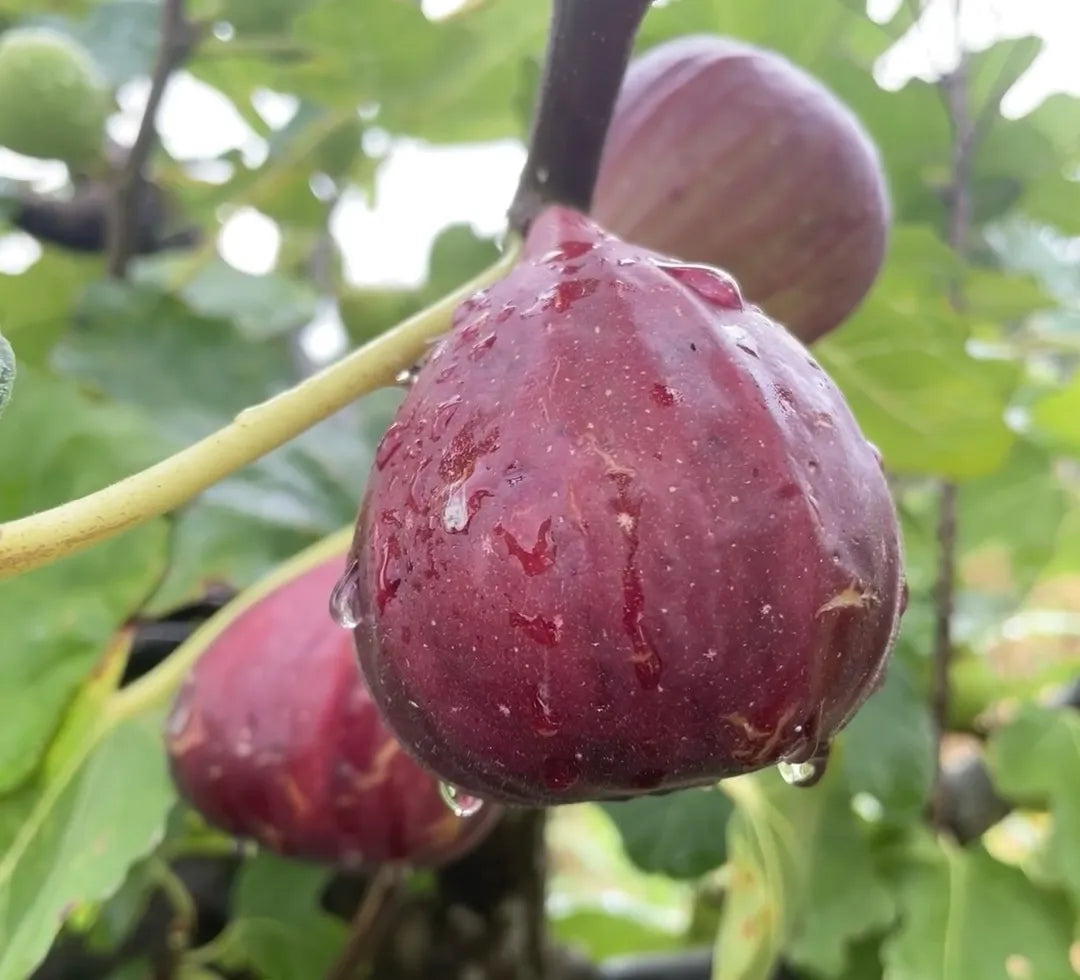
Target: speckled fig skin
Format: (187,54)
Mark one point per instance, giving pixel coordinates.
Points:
(725,153)
(274,737)
(624,536)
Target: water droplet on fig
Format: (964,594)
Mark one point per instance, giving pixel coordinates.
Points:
(713,285)
(807,773)
(742,340)
(560,772)
(407,378)
(389,444)
(798,773)
(458,802)
(344,599)
(877,455)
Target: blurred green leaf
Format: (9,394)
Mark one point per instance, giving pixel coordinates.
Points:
(682,834)
(903,364)
(1057,416)
(1019,508)
(278,927)
(55,444)
(191,374)
(801,878)
(70,835)
(888,747)
(963,914)
(260,306)
(38,302)
(1035,759)
(598,899)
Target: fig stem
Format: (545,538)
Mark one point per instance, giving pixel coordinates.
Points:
(589,45)
(41,538)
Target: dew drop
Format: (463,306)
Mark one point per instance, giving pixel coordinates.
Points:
(877,455)
(458,802)
(389,444)
(807,773)
(742,339)
(344,599)
(407,378)
(713,285)
(560,772)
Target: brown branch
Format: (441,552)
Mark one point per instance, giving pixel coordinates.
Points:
(955,89)
(365,928)
(177,38)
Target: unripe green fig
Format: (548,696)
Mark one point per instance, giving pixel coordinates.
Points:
(728,154)
(624,536)
(7,372)
(53,99)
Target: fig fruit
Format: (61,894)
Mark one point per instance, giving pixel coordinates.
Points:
(623,536)
(728,154)
(53,99)
(274,737)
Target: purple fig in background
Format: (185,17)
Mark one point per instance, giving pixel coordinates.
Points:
(624,536)
(725,153)
(274,736)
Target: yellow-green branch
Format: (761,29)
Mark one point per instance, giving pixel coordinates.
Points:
(53,534)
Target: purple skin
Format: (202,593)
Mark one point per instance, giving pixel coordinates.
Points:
(724,153)
(623,537)
(275,738)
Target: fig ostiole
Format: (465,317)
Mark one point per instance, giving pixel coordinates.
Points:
(623,536)
(274,738)
(726,153)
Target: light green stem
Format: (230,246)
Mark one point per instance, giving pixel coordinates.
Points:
(53,534)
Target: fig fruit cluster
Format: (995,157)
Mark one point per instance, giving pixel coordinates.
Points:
(275,738)
(53,98)
(624,536)
(726,153)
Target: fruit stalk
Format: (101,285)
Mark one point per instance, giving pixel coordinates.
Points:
(52,534)
(588,50)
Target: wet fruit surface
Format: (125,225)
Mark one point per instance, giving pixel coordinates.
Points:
(274,737)
(624,536)
(775,178)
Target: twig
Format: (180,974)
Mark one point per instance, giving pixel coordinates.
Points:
(588,50)
(955,89)
(176,40)
(365,926)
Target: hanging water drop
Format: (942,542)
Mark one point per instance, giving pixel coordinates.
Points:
(407,378)
(460,803)
(344,600)
(806,773)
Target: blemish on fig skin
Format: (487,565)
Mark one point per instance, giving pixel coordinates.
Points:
(665,396)
(543,553)
(646,660)
(852,597)
(546,632)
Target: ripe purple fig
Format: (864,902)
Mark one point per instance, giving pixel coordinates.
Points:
(624,536)
(725,153)
(274,737)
